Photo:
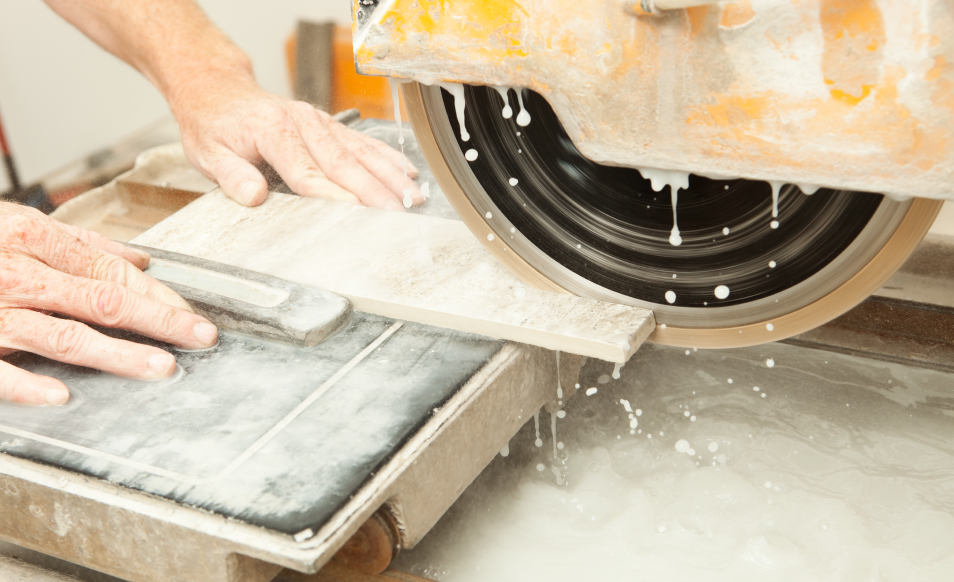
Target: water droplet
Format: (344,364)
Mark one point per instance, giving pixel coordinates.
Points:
(671,296)
(591,391)
(682,445)
(774,224)
(769,327)
(490,237)
(725,231)
(674,238)
(772,264)
(540,467)
(770,363)
(471,155)
(513,181)
(721,292)
(713,447)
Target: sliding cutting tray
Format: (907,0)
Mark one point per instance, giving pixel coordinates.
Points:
(257,454)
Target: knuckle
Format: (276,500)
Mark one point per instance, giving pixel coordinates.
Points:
(168,323)
(8,325)
(278,117)
(109,302)
(65,340)
(8,384)
(11,277)
(303,108)
(20,227)
(108,268)
(363,150)
(339,157)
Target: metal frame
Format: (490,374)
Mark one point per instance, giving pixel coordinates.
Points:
(143,538)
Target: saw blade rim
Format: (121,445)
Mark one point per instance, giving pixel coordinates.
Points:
(900,227)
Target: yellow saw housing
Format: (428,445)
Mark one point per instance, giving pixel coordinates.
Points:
(852,95)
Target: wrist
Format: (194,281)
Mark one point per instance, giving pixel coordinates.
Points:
(204,75)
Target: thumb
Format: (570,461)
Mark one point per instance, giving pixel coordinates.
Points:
(240,180)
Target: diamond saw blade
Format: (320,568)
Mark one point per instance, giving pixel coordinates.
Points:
(740,276)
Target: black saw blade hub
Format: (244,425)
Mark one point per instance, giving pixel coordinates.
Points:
(607,224)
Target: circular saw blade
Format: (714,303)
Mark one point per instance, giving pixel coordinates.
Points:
(562,222)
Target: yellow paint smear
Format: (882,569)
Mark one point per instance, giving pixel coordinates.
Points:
(854,36)
(737,14)
(736,122)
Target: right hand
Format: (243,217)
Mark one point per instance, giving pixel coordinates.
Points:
(47,266)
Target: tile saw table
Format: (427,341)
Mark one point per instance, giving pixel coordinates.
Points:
(364,409)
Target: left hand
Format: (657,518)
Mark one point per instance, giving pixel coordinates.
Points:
(227,131)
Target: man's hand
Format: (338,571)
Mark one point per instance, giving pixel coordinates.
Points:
(237,125)
(229,125)
(49,267)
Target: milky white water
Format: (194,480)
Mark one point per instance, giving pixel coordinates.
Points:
(396,103)
(796,487)
(460,103)
(676,180)
(507,112)
(523,118)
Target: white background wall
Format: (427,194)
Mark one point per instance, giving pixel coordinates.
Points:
(62,97)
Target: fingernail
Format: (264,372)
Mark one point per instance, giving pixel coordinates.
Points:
(143,256)
(205,333)
(247,192)
(56,396)
(161,363)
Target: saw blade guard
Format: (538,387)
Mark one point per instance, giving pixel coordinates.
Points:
(750,267)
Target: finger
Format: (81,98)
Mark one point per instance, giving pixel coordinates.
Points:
(64,252)
(286,152)
(238,178)
(389,174)
(391,154)
(71,342)
(114,305)
(18,385)
(138,258)
(336,162)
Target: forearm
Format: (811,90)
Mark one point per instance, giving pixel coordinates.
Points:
(172,43)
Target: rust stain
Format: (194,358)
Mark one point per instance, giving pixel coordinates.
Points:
(854,36)
(737,14)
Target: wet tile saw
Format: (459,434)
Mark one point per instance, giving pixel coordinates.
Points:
(790,116)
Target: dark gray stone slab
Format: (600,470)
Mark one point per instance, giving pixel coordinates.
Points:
(266,432)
